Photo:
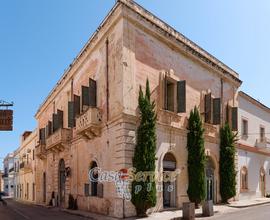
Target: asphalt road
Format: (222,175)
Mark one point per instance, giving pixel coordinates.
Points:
(261,212)
(19,211)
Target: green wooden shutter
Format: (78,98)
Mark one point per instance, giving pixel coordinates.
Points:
(92,93)
(227,114)
(47,131)
(77,105)
(71,115)
(60,115)
(55,122)
(42,135)
(85,96)
(216,111)
(50,127)
(87,189)
(100,190)
(234,118)
(208,108)
(181,96)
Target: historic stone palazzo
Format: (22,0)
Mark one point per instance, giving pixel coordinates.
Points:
(89,119)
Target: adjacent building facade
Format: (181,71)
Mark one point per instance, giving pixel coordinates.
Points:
(25,166)
(90,118)
(253,148)
(9,175)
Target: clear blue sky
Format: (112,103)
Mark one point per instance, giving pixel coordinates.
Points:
(39,39)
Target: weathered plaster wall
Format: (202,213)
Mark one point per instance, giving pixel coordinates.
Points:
(252,158)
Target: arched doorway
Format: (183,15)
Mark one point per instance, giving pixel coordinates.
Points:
(262,182)
(210,179)
(169,188)
(44,187)
(62,181)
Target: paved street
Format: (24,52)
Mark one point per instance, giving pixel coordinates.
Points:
(18,211)
(261,212)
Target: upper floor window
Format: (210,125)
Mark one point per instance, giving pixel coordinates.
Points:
(174,93)
(262,133)
(244,128)
(212,109)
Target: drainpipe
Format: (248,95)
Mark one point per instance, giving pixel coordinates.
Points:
(107,78)
(222,104)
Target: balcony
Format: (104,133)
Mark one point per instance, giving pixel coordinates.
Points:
(26,167)
(89,123)
(58,140)
(263,144)
(40,151)
(210,131)
(169,118)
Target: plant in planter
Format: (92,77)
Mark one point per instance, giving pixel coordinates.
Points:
(144,156)
(227,170)
(196,158)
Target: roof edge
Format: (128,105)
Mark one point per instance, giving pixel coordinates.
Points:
(253,100)
(190,45)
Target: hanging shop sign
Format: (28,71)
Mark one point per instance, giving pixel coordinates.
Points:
(6,120)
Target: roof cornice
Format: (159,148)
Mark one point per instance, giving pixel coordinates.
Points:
(254,101)
(188,45)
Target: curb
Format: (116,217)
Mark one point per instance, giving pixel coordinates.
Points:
(246,206)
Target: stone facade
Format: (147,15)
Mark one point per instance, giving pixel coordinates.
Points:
(25,167)
(253,148)
(130,46)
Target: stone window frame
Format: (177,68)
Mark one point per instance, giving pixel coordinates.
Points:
(172,78)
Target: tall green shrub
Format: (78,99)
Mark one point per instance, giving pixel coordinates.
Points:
(227,171)
(196,158)
(144,192)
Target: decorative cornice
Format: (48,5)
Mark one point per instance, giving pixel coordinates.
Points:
(189,45)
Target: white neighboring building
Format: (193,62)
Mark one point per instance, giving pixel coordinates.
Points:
(253,176)
(9,175)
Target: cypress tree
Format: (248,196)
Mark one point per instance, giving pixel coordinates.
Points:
(196,158)
(144,155)
(227,171)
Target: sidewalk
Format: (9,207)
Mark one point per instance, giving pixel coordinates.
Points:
(177,214)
